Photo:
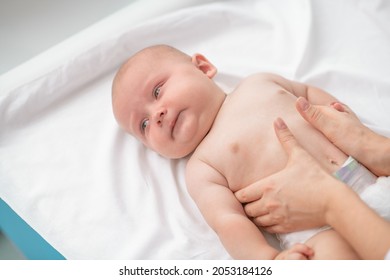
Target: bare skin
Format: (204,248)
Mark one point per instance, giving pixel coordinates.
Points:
(343,128)
(251,151)
(176,109)
(281,204)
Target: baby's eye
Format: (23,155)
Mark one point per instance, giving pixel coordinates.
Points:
(156,91)
(144,124)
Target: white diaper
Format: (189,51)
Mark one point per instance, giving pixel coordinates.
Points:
(374,191)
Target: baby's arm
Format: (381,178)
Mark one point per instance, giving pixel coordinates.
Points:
(225,214)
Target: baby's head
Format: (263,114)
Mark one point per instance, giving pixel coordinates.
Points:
(166,99)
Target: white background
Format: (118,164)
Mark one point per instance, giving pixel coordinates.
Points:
(28,28)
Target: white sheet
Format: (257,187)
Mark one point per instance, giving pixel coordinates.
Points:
(94,192)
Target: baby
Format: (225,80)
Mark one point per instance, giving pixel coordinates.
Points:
(169,101)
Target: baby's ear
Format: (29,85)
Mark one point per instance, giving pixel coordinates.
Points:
(202,63)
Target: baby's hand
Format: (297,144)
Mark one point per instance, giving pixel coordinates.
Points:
(297,252)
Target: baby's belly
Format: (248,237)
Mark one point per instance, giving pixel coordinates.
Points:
(244,165)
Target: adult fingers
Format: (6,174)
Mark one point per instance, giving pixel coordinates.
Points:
(285,136)
(251,193)
(255,209)
(313,114)
(265,221)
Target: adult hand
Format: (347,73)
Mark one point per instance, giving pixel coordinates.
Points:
(342,127)
(294,198)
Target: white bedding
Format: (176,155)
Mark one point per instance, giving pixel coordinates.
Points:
(94,192)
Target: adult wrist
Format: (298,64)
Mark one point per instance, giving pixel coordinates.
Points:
(376,149)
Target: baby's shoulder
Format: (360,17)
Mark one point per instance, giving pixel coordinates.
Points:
(259,82)
(260,79)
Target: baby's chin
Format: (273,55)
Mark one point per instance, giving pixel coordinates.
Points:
(177,154)
(179,150)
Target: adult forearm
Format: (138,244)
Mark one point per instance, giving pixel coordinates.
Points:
(366,232)
(340,125)
(375,153)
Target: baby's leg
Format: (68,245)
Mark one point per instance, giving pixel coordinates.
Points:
(329,245)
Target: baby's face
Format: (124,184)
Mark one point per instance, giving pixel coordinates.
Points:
(169,105)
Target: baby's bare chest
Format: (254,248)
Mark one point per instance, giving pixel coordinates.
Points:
(242,145)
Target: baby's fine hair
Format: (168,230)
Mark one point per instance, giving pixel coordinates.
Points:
(151,52)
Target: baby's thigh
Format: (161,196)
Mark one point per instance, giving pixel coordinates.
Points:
(329,245)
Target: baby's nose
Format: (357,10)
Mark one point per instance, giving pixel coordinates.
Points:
(159,116)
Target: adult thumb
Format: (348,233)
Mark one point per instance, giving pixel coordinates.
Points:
(310,113)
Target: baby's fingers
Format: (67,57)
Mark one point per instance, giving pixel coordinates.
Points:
(302,249)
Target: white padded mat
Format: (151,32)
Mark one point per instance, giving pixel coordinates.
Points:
(94,192)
